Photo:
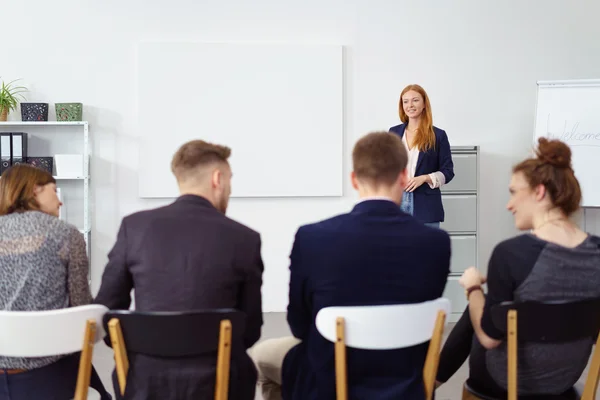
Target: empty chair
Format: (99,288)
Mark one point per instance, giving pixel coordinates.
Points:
(546,322)
(176,335)
(384,328)
(54,333)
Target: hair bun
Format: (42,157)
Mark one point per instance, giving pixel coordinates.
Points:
(554,152)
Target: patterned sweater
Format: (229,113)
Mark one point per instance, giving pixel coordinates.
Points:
(43,266)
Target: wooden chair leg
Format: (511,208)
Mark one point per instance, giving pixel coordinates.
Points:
(341,373)
(591,383)
(433,355)
(512,355)
(223,361)
(121,360)
(85,361)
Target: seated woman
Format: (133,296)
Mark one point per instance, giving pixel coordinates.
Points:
(43,266)
(555,261)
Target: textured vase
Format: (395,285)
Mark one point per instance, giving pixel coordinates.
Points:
(34,111)
(4,115)
(69,111)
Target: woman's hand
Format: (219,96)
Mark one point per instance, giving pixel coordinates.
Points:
(415,182)
(471,277)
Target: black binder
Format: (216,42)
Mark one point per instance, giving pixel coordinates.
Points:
(19,148)
(13,149)
(5,151)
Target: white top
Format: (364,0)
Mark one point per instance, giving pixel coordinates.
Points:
(437,178)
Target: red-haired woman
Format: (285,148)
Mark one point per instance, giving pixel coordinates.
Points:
(430,163)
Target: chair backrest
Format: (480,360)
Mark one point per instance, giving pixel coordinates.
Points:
(551,321)
(47,333)
(383,327)
(176,334)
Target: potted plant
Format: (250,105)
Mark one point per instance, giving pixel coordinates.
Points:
(10,95)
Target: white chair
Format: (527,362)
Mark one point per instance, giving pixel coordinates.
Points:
(385,328)
(54,332)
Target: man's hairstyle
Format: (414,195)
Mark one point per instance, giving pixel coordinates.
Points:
(195,154)
(379,157)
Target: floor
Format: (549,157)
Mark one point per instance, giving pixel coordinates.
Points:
(276,326)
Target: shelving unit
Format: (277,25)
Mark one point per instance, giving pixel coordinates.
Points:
(48,138)
(461,206)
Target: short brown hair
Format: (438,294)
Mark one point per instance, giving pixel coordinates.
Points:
(197,153)
(17,188)
(379,157)
(552,168)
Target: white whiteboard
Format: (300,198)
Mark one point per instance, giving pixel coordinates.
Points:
(570,111)
(278,106)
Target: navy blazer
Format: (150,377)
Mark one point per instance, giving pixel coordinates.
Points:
(427,201)
(374,255)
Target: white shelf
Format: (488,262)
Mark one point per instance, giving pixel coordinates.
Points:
(72,178)
(43,123)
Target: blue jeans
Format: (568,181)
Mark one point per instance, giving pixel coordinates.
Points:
(408,206)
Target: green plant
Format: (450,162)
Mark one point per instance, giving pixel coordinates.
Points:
(10,95)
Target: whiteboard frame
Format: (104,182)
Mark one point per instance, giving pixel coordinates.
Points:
(562,83)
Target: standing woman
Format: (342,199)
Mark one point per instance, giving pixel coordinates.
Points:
(429,159)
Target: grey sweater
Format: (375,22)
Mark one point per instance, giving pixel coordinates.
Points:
(43,266)
(526,268)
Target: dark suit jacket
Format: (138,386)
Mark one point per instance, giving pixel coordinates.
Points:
(374,255)
(183,257)
(428,201)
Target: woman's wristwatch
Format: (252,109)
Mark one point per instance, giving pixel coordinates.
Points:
(472,289)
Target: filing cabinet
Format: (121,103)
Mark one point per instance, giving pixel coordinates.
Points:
(460,198)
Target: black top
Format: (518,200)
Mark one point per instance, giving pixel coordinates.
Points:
(526,268)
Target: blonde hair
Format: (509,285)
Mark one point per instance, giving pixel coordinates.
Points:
(425,137)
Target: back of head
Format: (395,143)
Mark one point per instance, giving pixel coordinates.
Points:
(378,158)
(191,160)
(551,167)
(17,188)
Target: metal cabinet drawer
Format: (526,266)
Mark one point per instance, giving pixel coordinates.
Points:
(460,213)
(464,253)
(456,294)
(465,174)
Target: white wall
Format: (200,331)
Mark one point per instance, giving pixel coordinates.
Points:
(479,61)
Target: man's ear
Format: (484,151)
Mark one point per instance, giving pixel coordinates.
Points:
(403,179)
(216,177)
(354,180)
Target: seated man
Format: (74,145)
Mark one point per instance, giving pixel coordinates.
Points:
(188,256)
(374,255)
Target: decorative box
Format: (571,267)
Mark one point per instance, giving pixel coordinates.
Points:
(45,163)
(34,111)
(69,111)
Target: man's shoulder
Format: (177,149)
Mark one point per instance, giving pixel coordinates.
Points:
(419,232)
(328,224)
(215,220)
